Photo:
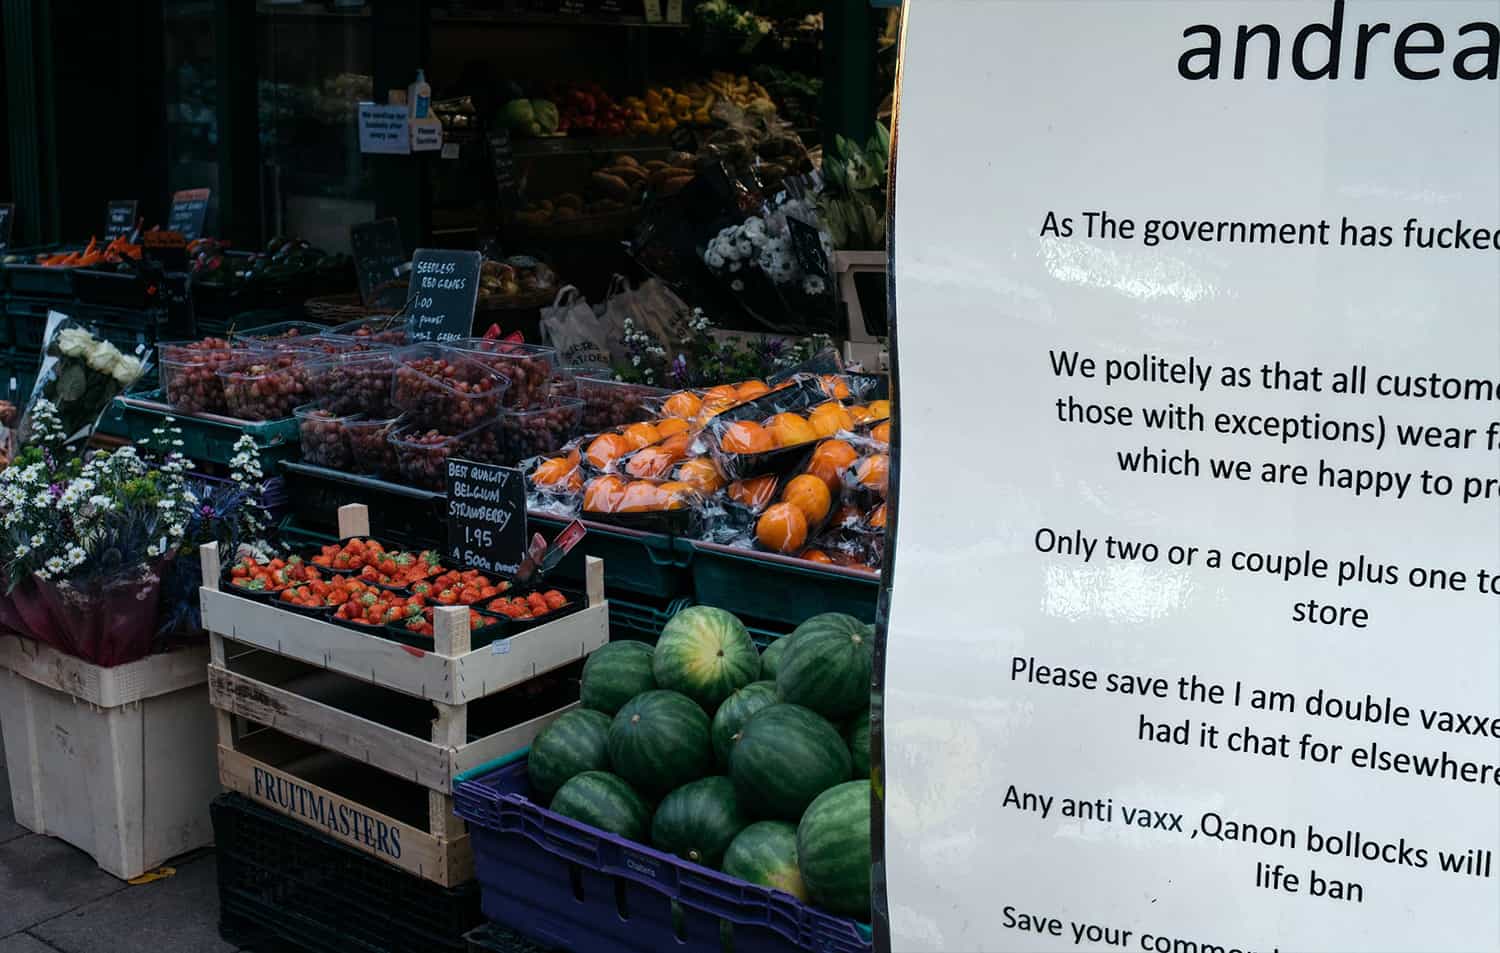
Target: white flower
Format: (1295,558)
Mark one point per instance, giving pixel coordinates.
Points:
(101,356)
(76,555)
(635,359)
(153,550)
(22,550)
(166,504)
(813,285)
(72,342)
(713,259)
(127,369)
(55,565)
(744,247)
(42,498)
(175,529)
(737,285)
(755,227)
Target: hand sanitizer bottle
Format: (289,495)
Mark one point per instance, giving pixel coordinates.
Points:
(419,97)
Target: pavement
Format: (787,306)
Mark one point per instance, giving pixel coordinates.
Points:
(53,899)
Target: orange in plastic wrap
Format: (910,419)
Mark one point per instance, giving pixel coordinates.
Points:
(809,494)
(829,460)
(641,435)
(746,436)
(835,386)
(603,494)
(650,463)
(753,493)
(828,419)
(877,517)
(702,475)
(845,516)
(719,399)
(879,409)
(641,497)
(789,429)
(677,445)
(881,432)
(607,448)
(671,425)
(554,471)
(859,414)
(874,472)
(675,494)
(781,528)
(750,390)
(684,403)
(815,556)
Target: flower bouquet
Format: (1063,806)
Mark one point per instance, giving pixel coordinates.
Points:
(777,265)
(91,540)
(81,373)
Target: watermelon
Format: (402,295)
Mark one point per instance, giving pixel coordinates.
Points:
(698,821)
(765,853)
(576,742)
(858,734)
(659,741)
(828,667)
(770,659)
(737,708)
(785,756)
(706,654)
(833,850)
(616,673)
(605,801)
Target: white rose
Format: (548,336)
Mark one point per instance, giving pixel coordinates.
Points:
(72,342)
(127,370)
(101,356)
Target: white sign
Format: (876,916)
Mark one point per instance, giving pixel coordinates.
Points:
(383,129)
(426,134)
(1194,641)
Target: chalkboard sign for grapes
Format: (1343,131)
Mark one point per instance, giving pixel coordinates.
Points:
(119,219)
(444,291)
(486,516)
(378,257)
(189,212)
(7,219)
(503,164)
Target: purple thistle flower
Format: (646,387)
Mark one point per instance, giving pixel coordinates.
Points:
(55,489)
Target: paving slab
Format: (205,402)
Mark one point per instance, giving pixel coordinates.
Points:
(21,943)
(41,877)
(178,914)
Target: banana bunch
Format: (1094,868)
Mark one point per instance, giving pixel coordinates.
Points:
(739,90)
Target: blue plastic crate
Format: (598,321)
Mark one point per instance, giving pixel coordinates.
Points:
(564,883)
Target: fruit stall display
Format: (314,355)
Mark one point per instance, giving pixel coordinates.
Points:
(752,764)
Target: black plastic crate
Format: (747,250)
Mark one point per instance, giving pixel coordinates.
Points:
(492,938)
(280,880)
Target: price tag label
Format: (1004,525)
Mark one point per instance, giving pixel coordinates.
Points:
(384,130)
(119,218)
(378,256)
(486,516)
(189,212)
(444,290)
(426,135)
(7,219)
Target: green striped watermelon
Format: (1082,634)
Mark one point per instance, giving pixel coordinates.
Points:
(765,853)
(605,801)
(733,714)
(698,820)
(785,756)
(614,674)
(659,740)
(858,734)
(770,659)
(828,666)
(706,654)
(833,850)
(576,742)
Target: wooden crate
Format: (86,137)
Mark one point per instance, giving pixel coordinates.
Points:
(317,701)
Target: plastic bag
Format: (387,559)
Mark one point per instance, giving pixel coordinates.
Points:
(578,334)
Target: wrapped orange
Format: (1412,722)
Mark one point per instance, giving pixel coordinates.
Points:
(809,494)
(828,419)
(640,435)
(753,493)
(789,429)
(746,436)
(604,494)
(701,474)
(781,528)
(606,449)
(684,403)
(874,472)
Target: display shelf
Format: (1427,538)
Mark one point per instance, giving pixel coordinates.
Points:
(776,589)
(588,145)
(206,437)
(321,699)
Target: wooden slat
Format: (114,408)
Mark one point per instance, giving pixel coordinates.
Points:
(346,820)
(502,743)
(356,738)
(542,649)
(369,658)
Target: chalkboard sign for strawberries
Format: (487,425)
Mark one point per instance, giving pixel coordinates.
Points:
(486,516)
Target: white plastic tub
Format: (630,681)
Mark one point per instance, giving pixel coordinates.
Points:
(119,762)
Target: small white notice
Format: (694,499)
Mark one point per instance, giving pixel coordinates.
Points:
(426,135)
(384,130)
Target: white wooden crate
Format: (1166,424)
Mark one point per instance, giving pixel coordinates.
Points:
(245,681)
(118,762)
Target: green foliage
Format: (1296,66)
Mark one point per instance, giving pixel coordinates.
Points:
(853,201)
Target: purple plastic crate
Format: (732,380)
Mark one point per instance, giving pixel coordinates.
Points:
(565,883)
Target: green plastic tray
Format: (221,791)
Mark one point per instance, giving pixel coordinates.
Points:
(640,621)
(777,593)
(641,563)
(208,439)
